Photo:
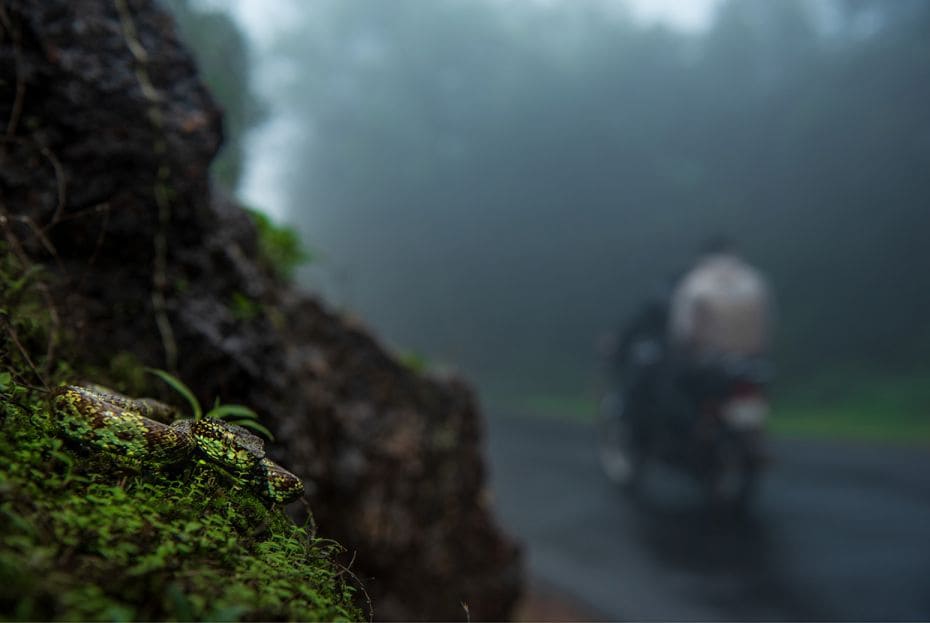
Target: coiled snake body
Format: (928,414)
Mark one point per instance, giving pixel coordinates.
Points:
(145,430)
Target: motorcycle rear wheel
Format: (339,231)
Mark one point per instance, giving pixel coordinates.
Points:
(734,476)
(620,460)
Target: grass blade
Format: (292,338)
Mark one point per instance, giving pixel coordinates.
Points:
(178,386)
(226,411)
(256,427)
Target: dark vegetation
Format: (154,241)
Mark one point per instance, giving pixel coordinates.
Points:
(494,184)
(117,256)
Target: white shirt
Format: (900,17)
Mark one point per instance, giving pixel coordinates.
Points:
(721,307)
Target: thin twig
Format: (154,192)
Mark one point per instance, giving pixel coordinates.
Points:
(28,265)
(22,351)
(103,208)
(13,240)
(5,19)
(310,519)
(79,214)
(344,569)
(38,234)
(60,179)
(37,231)
(20,97)
(54,334)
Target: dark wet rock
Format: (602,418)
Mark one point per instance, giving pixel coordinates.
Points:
(102,111)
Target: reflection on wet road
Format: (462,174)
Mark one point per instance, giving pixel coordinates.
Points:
(840,532)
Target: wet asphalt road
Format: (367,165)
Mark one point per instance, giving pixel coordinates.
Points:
(839,532)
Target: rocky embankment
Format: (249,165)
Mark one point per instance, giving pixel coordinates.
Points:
(107,139)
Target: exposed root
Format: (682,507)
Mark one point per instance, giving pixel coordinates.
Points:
(60,180)
(104,209)
(60,177)
(20,97)
(11,333)
(163,174)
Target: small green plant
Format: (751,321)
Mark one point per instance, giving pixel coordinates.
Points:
(414,361)
(28,323)
(243,307)
(280,246)
(234,414)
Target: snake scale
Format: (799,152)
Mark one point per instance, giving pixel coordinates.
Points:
(143,430)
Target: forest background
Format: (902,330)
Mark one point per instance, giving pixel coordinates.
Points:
(493,185)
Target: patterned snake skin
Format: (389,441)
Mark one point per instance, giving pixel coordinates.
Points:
(145,430)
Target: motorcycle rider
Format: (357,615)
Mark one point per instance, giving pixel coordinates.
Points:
(698,350)
(720,315)
(639,357)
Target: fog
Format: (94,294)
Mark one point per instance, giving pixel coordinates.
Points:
(492,185)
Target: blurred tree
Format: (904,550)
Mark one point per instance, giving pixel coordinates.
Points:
(505,180)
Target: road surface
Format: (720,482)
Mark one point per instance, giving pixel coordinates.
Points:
(839,532)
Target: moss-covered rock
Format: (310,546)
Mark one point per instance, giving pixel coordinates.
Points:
(104,195)
(84,539)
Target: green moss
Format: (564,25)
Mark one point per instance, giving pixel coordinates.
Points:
(414,361)
(28,325)
(83,538)
(280,247)
(244,308)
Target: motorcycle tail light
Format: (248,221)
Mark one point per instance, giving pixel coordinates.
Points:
(746,390)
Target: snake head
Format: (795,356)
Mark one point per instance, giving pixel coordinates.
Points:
(236,448)
(278,484)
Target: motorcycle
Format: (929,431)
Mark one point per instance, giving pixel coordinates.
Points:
(706,420)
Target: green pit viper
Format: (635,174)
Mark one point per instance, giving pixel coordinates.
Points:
(145,431)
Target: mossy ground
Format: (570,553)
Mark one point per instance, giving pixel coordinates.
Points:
(84,537)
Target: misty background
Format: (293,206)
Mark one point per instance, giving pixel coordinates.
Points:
(490,185)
